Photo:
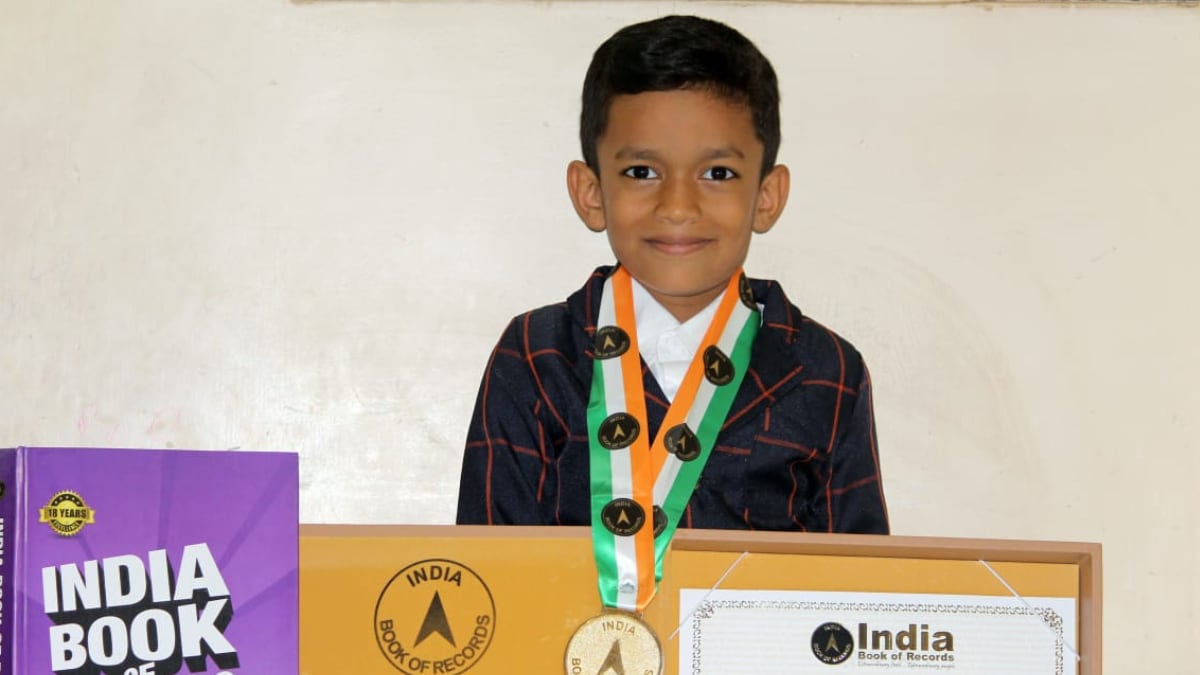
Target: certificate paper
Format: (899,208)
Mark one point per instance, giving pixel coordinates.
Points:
(755,632)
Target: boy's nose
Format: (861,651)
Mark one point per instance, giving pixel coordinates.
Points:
(678,202)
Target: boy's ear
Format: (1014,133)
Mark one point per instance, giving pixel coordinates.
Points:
(772,196)
(584,187)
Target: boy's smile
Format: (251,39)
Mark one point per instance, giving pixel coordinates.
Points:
(678,192)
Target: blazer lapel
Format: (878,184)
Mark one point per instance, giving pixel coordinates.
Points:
(774,365)
(583,306)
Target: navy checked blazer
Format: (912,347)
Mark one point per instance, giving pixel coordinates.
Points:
(797,451)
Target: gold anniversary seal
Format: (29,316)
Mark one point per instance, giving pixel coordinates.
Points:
(614,642)
(66,513)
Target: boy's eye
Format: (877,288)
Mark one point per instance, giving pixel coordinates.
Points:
(719,173)
(640,172)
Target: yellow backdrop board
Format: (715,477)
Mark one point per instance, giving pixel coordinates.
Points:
(444,599)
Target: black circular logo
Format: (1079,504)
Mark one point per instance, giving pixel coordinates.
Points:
(660,520)
(832,643)
(623,517)
(435,611)
(611,342)
(682,443)
(717,367)
(618,430)
(745,293)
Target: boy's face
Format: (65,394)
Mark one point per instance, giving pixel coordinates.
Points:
(678,192)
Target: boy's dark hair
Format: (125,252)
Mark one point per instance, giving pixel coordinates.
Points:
(680,52)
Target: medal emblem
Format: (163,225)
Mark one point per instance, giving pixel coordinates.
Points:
(660,520)
(623,517)
(611,342)
(746,294)
(618,430)
(615,643)
(681,442)
(718,369)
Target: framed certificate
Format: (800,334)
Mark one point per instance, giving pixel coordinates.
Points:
(789,603)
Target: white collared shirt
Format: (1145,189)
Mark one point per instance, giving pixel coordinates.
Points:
(666,345)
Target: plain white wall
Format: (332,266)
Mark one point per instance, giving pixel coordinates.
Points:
(255,224)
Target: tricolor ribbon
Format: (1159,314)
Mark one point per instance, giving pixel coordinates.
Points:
(631,476)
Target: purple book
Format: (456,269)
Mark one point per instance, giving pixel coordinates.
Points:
(148,562)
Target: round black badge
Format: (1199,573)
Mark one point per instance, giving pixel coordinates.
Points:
(618,431)
(623,517)
(611,342)
(717,367)
(682,443)
(746,294)
(832,643)
(660,520)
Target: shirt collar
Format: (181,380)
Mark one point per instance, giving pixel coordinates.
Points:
(654,321)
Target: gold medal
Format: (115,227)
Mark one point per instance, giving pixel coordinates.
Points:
(614,642)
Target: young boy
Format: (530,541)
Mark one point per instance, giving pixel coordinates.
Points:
(680,129)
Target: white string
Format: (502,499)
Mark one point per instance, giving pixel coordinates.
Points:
(1017,595)
(684,620)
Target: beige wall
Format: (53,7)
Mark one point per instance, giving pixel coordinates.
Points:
(254,224)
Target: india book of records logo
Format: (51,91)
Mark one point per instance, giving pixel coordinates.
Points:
(832,643)
(435,616)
